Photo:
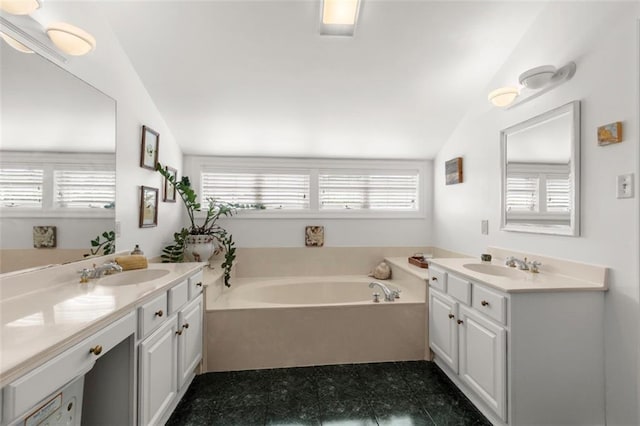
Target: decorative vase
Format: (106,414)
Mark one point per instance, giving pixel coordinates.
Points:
(199,248)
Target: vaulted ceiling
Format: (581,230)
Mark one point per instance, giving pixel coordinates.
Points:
(256,78)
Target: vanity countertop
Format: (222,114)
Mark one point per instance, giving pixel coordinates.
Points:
(527,283)
(403,263)
(40,324)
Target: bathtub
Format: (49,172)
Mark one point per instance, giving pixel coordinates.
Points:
(300,321)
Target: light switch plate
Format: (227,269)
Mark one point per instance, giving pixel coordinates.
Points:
(485,227)
(624,186)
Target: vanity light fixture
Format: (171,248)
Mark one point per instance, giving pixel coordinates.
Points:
(534,82)
(503,96)
(339,17)
(70,39)
(15,43)
(20,7)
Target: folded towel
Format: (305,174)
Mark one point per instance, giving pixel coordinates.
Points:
(132,262)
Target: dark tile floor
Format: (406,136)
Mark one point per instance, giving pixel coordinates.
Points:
(395,393)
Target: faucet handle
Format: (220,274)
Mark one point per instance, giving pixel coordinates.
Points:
(376,297)
(84,275)
(534,266)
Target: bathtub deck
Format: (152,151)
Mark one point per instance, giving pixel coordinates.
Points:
(403,393)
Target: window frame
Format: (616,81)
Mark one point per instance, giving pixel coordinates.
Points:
(194,165)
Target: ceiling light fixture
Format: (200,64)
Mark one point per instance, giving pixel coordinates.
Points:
(20,7)
(503,96)
(70,39)
(15,43)
(534,82)
(339,17)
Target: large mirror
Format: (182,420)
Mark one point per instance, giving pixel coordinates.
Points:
(541,173)
(57,163)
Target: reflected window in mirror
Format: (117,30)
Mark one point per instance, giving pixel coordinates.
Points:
(540,173)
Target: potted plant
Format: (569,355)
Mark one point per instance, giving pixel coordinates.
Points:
(199,242)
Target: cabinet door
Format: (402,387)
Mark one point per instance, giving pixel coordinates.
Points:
(158,372)
(190,339)
(483,354)
(443,330)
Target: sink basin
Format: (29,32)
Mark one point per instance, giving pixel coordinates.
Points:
(500,271)
(132,277)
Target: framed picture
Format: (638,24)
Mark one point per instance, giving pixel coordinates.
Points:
(44,236)
(453,171)
(169,195)
(610,133)
(149,150)
(148,207)
(314,236)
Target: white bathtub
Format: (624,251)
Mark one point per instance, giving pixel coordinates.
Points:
(298,321)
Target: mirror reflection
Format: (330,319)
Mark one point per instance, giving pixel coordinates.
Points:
(57,163)
(540,172)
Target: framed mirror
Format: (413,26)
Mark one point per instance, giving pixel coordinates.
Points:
(57,163)
(540,160)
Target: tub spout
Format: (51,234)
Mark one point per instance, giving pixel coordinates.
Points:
(389,296)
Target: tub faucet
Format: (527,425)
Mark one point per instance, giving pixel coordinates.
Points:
(389,295)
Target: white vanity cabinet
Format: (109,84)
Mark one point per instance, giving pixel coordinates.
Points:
(169,355)
(523,357)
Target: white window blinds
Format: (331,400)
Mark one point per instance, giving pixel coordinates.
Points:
(84,188)
(21,187)
(522,193)
(368,191)
(558,194)
(283,191)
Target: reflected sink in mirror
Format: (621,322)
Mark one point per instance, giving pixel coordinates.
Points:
(500,271)
(132,277)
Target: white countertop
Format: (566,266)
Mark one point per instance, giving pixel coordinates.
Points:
(403,263)
(528,283)
(40,324)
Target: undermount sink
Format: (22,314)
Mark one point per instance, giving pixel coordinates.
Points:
(500,271)
(138,276)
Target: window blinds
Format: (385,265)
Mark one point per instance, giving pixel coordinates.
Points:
(21,187)
(368,191)
(84,188)
(522,193)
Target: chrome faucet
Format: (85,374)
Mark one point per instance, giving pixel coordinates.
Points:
(107,268)
(514,261)
(389,295)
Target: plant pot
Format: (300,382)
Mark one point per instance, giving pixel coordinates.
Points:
(199,248)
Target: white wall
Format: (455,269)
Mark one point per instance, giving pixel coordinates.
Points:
(108,68)
(71,233)
(602,39)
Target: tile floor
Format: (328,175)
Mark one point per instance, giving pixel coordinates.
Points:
(400,393)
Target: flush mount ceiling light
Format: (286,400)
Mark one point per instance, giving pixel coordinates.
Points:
(71,40)
(503,96)
(19,7)
(339,17)
(15,43)
(538,77)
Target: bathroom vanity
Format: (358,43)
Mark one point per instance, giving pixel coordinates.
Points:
(526,348)
(121,349)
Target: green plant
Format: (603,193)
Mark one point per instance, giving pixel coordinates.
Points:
(215,210)
(108,245)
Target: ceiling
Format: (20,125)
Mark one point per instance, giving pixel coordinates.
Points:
(257,79)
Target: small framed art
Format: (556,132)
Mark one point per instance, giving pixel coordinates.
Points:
(169,194)
(148,207)
(149,149)
(610,133)
(314,236)
(44,236)
(453,171)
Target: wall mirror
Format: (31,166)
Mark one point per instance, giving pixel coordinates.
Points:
(57,163)
(540,160)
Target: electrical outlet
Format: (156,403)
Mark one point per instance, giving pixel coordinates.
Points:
(624,187)
(485,227)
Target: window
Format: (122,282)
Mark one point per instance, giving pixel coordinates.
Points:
(368,191)
(522,193)
(543,195)
(558,194)
(283,191)
(21,187)
(84,188)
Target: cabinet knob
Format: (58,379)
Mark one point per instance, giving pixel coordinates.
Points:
(451,316)
(434,279)
(199,284)
(96,350)
(460,322)
(186,325)
(179,332)
(484,303)
(159,313)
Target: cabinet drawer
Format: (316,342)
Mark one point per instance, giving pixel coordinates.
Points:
(178,296)
(151,315)
(490,303)
(195,284)
(31,388)
(438,278)
(459,288)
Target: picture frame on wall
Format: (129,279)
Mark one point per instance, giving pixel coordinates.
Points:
(453,171)
(149,148)
(148,207)
(169,194)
